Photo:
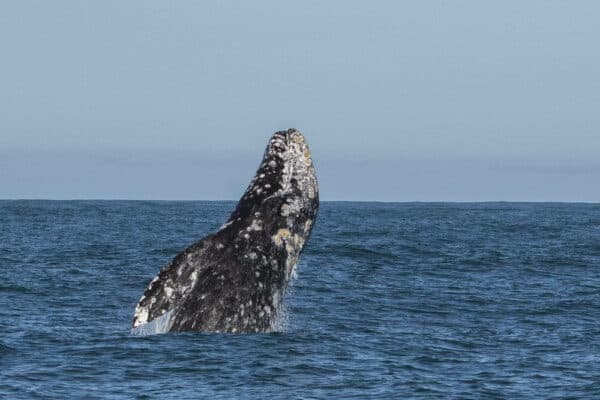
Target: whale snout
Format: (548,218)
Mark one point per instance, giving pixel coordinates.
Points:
(284,140)
(289,133)
(288,154)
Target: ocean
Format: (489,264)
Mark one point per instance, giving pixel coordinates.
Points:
(391,300)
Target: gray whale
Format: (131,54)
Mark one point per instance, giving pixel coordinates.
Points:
(235,279)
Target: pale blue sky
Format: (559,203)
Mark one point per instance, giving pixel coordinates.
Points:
(420,100)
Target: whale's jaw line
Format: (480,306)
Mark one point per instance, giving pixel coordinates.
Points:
(235,279)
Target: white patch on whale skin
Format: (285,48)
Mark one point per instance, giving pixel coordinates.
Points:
(193,278)
(141,316)
(291,207)
(276,297)
(225,225)
(255,226)
(280,237)
(307,226)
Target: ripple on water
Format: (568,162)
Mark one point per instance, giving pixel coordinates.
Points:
(391,301)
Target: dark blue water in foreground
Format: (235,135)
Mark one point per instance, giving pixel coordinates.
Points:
(391,301)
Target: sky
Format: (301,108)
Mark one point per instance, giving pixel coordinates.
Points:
(399,101)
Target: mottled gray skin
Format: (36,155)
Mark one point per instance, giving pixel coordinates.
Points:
(234,280)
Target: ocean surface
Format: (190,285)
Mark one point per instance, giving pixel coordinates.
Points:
(407,300)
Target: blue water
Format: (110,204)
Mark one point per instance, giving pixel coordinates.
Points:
(493,300)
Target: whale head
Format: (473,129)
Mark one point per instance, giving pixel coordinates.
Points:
(285,173)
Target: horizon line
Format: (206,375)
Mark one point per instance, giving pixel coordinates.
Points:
(322,201)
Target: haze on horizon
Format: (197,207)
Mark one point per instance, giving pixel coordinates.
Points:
(399,101)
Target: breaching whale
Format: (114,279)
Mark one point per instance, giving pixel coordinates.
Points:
(234,280)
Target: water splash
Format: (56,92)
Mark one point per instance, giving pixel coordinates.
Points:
(157,326)
(283,319)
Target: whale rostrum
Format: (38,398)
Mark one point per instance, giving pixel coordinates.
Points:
(234,280)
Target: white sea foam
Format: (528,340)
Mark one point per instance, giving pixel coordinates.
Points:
(281,322)
(157,326)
